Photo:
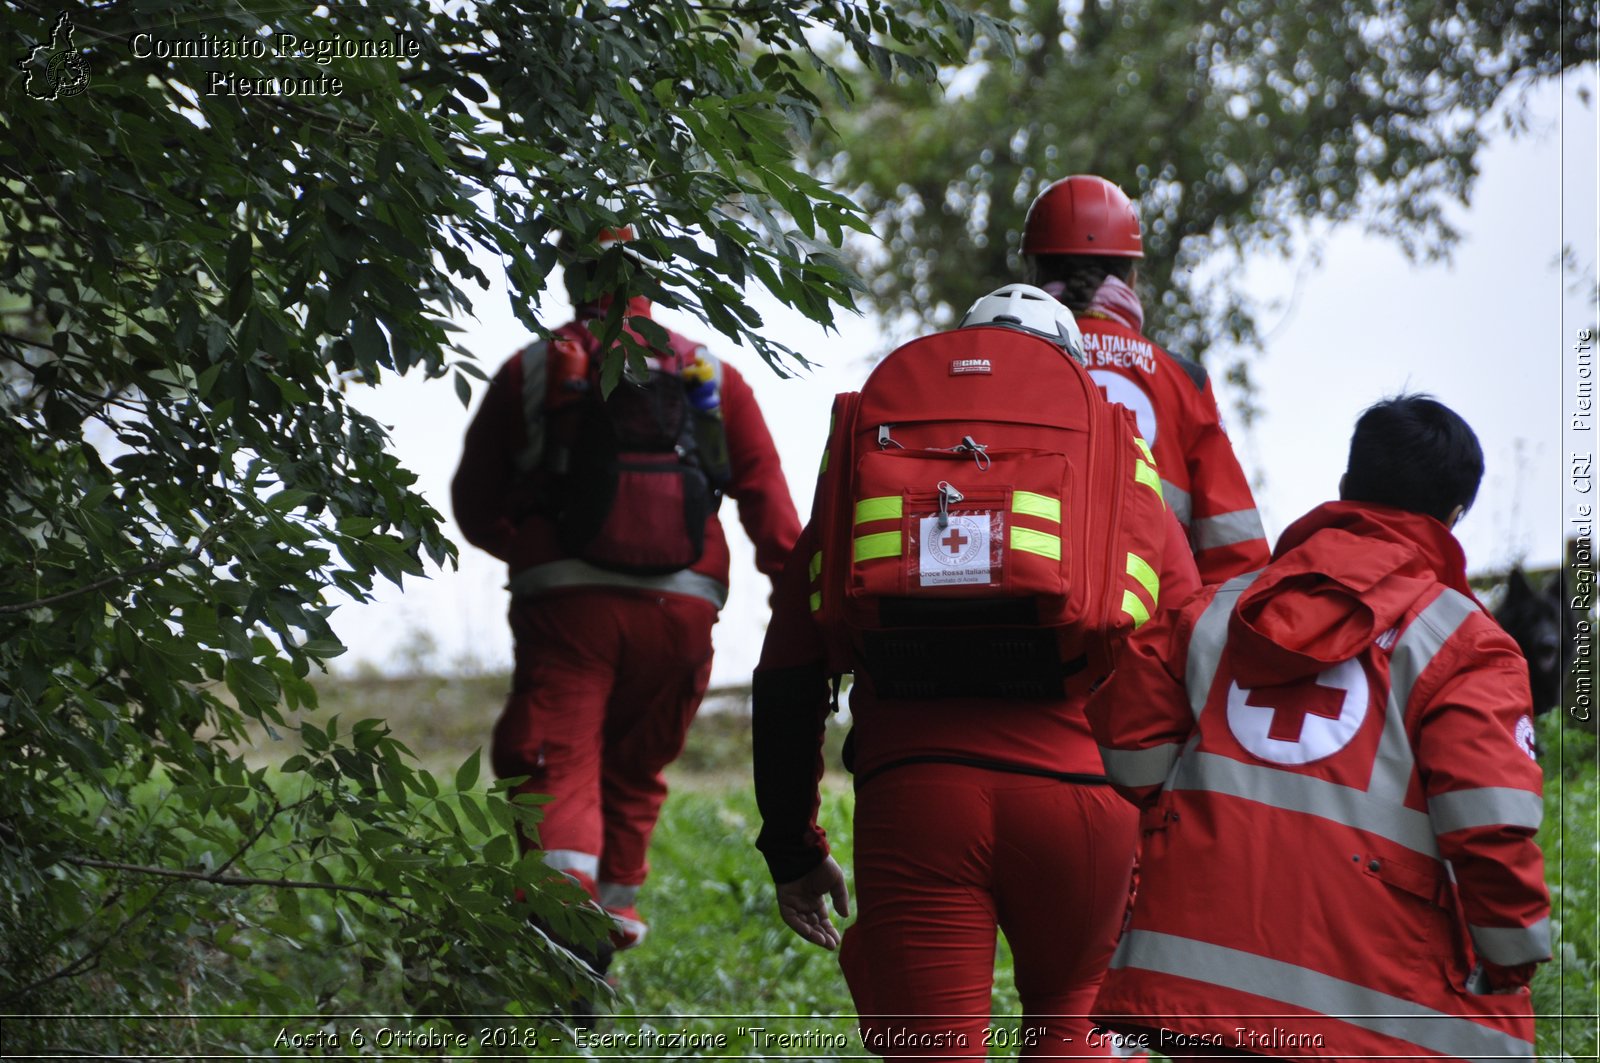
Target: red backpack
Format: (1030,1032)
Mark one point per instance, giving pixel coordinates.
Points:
(989,525)
(630,478)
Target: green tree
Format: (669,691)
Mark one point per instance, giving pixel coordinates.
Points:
(1231,121)
(195,261)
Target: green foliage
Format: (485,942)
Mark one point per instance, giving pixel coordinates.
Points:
(189,281)
(1566,992)
(1230,121)
(717,955)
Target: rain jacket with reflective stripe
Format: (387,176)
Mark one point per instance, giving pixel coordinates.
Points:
(495,502)
(1177,411)
(1334,758)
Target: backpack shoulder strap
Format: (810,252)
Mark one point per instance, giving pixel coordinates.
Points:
(535,382)
(535,359)
(831,511)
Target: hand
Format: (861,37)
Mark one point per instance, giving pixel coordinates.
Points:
(801,903)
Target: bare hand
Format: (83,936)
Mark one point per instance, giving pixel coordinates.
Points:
(802,905)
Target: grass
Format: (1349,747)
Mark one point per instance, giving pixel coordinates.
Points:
(718,959)
(1565,992)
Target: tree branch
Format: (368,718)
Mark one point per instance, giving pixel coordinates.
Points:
(14,338)
(119,577)
(219,879)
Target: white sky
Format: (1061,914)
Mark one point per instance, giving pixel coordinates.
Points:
(1487,335)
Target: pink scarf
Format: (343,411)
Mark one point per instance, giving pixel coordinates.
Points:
(1113,299)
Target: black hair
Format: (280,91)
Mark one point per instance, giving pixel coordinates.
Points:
(1414,453)
(1080,276)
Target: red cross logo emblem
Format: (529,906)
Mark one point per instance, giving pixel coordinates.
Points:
(1292,703)
(1297,723)
(954,551)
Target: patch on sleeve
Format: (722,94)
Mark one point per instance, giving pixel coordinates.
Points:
(1525,737)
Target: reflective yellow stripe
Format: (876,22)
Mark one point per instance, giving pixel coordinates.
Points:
(1042,506)
(824,467)
(883,544)
(816,601)
(1029,541)
(816,564)
(1151,458)
(1140,570)
(1146,475)
(884,507)
(1134,608)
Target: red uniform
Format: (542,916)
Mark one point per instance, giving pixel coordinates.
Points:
(1200,476)
(1335,761)
(610,668)
(969,814)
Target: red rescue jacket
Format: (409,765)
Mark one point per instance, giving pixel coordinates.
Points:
(1336,764)
(1200,475)
(493,499)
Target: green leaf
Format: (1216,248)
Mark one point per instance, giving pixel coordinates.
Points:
(474,812)
(253,685)
(238,267)
(371,346)
(467,774)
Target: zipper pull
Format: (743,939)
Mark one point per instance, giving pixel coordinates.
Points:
(980,452)
(947,495)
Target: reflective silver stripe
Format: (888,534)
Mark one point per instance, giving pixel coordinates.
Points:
(1225,529)
(1380,809)
(1300,987)
(1209,636)
(565,860)
(534,378)
(1511,945)
(1491,806)
(616,895)
(571,572)
(636,929)
(1139,767)
(1375,814)
(1177,500)
(1415,650)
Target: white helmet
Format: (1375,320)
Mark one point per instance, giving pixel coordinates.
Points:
(1022,306)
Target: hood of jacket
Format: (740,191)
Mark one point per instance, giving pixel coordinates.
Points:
(1340,577)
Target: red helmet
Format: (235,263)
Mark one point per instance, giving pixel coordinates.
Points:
(1082,215)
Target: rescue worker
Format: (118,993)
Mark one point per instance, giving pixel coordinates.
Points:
(971,814)
(610,666)
(1334,759)
(1082,242)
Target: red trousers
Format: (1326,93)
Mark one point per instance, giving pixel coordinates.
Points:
(944,854)
(606,685)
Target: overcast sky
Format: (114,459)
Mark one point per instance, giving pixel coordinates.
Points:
(1486,334)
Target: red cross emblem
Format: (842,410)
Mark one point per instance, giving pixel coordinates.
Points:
(956,540)
(1304,721)
(1291,703)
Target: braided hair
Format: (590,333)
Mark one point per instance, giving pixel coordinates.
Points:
(1079,276)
